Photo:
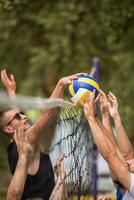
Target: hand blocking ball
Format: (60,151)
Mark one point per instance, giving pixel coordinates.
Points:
(81,87)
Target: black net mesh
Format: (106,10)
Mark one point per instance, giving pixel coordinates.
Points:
(72,137)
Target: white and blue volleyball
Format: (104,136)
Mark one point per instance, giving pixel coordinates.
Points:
(81,87)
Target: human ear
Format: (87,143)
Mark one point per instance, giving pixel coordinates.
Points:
(8,129)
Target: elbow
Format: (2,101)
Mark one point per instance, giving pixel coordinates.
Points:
(13,195)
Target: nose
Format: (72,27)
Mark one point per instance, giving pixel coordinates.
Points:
(23,116)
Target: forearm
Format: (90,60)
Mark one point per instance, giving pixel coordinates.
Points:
(100,138)
(12,95)
(45,122)
(16,186)
(122,139)
(58,91)
(112,144)
(108,133)
(106,122)
(106,127)
(59,192)
(48,117)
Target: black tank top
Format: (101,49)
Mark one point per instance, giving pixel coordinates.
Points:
(39,185)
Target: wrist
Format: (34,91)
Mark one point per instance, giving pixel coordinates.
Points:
(61,84)
(91,119)
(11,93)
(23,161)
(118,122)
(106,114)
(116,117)
(24,156)
(59,180)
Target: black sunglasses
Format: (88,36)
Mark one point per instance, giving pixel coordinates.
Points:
(17,116)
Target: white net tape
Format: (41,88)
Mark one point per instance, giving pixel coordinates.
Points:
(25,102)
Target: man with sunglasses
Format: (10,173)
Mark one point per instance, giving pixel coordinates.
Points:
(16,187)
(40,177)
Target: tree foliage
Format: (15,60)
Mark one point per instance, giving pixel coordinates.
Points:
(41,41)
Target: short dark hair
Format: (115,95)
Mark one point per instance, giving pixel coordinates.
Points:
(2,124)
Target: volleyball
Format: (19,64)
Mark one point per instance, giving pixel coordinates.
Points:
(81,87)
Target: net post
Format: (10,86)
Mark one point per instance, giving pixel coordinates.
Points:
(96,65)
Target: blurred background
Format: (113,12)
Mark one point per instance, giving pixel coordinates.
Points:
(42,41)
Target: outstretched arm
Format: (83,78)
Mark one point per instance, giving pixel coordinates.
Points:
(9,83)
(103,102)
(106,126)
(105,146)
(17,183)
(62,84)
(59,192)
(49,115)
(123,141)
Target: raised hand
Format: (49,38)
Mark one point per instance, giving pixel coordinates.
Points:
(23,146)
(113,105)
(65,81)
(62,84)
(103,100)
(9,82)
(89,109)
(59,192)
(131,165)
(59,169)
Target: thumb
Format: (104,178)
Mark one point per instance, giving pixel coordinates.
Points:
(130,161)
(12,78)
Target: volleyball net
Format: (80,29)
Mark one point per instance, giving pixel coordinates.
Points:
(71,137)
